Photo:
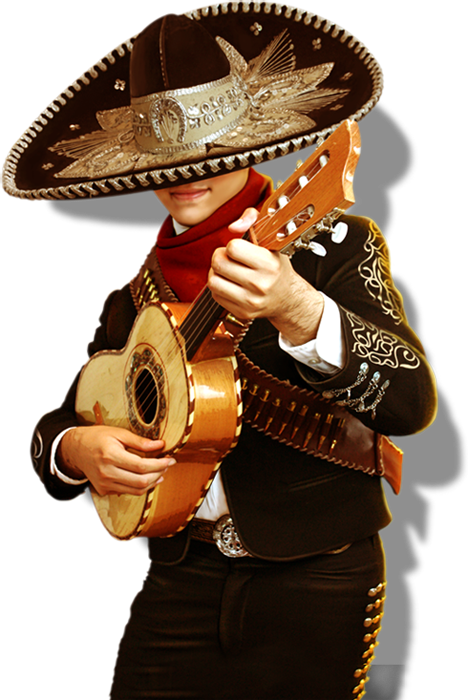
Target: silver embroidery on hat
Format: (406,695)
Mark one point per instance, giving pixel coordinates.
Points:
(161,172)
(261,101)
(184,119)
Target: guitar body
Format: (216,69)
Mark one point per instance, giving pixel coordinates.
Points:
(151,389)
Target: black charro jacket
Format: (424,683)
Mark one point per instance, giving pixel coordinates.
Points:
(286,504)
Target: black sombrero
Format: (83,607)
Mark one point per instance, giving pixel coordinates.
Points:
(194,96)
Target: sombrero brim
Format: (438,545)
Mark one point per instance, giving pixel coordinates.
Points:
(82,145)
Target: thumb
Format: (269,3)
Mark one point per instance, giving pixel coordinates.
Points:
(138,442)
(248,218)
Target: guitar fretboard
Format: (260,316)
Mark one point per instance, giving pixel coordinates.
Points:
(204,315)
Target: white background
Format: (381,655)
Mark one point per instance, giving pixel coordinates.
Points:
(391,24)
(400,24)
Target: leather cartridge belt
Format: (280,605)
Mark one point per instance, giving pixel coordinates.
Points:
(224,535)
(305,420)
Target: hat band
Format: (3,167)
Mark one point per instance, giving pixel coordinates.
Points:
(184,119)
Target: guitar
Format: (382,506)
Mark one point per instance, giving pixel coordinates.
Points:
(177,377)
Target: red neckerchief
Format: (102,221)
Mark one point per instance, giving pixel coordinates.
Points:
(185,260)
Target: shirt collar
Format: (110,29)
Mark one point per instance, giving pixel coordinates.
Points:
(179,228)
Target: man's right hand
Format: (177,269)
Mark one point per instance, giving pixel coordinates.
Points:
(107,457)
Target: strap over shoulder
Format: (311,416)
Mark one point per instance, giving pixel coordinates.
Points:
(149,284)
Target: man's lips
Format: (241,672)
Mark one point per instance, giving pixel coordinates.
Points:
(189,195)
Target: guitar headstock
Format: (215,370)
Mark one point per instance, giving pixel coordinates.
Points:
(323,184)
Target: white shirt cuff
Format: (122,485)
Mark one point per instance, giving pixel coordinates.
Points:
(326,352)
(53,463)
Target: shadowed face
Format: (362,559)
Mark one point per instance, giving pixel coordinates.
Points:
(191,204)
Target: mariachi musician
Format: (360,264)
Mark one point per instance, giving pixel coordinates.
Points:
(273,585)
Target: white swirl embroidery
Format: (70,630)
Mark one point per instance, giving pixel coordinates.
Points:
(379,347)
(375,270)
(37,447)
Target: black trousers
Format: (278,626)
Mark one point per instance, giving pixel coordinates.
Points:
(246,629)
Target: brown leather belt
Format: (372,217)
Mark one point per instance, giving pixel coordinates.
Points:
(223,534)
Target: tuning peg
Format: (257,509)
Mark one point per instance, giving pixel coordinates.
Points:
(298,164)
(278,184)
(317,248)
(339,232)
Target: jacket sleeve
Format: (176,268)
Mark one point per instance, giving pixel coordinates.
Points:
(386,381)
(115,324)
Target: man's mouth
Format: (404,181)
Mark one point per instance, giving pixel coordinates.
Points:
(190,194)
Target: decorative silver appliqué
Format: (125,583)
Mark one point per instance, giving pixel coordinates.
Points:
(358,403)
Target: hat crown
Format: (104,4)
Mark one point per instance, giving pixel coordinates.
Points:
(163,57)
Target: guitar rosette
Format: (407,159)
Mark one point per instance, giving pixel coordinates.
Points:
(144,389)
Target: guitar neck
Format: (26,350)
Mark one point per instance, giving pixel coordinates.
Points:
(203,317)
(289,218)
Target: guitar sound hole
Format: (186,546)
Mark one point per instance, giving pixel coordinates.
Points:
(146,396)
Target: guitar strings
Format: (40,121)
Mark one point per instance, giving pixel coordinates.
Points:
(203,313)
(200,318)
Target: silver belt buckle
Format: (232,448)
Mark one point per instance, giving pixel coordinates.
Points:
(227,540)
